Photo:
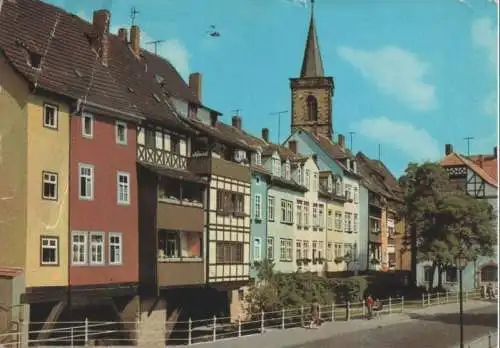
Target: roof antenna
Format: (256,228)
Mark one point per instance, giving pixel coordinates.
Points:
(468,139)
(279,113)
(379,150)
(156,43)
(236,112)
(133,14)
(350,139)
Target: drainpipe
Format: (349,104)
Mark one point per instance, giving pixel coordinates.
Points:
(71,115)
(207,214)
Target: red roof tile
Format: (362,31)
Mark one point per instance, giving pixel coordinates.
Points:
(488,162)
(455,159)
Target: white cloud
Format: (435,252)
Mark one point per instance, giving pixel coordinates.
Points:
(485,36)
(415,143)
(396,72)
(490,104)
(83,15)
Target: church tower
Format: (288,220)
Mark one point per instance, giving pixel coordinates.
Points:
(312,92)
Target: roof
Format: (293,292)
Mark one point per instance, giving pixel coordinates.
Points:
(178,174)
(488,162)
(455,159)
(312,64)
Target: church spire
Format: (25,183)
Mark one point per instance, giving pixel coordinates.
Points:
(312,65)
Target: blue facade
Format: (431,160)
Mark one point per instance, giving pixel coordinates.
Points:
(363,225)
(258,226)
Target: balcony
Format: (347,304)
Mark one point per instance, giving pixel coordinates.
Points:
(180,260)
(161,158)
(374,229)
(205,165)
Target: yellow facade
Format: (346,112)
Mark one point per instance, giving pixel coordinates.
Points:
(334,236)
(27,149)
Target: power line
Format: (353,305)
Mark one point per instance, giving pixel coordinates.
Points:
(279,113)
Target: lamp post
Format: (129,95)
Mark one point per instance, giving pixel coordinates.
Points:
(461,262)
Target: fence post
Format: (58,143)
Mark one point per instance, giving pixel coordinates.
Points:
(319,311)
(390,305)
(438,298)
(489,340)
(446,296)
(429,299)
(72,338)
(333,311)
(302,321)
(457,296)
(348,309)
(239,327)
(283,318)
(190,325)
(402,304)
(466,292)
(214,333)
(262,322)
(423,300)
(363,304)
(86,333)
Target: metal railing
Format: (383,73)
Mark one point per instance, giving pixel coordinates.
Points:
(488,341)
(212,329)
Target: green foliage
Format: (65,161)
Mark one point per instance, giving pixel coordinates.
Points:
(444,220)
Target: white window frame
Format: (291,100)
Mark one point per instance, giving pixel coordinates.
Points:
(298,250)
(102,245)
(305,210)
(299,213)
(119,141)
(84,133)
(52,179)
(118,245)
(125,187)
(270,208)
(355,194)
(355,223)
(55,247)
(270,248)
(338,223)
(321,215)
(257,249)
(315,215)
(90,195)
(85,252)
(257,205)
(329,251)
(55,125)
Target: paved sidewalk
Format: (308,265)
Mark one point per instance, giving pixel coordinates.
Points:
(276,338)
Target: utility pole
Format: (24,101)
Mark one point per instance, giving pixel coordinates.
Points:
(133,14)
(350,139)
(156,43)
(279,113)
(468,139)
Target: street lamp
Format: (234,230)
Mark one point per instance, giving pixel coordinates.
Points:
(461,262)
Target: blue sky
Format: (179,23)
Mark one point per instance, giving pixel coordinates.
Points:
(410,75)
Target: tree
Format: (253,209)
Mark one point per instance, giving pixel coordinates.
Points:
(444,219)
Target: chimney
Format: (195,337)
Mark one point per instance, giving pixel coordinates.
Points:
(195,84)
(292,145)
(123,34)
(100,22)
(341,141)
(236,120)
(265,134)
(495,152)
(481,161)
(135,40)
(448,149)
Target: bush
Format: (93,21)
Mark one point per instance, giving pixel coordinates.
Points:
(349,289)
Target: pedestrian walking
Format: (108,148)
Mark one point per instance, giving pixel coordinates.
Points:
(315,321)
(369,306)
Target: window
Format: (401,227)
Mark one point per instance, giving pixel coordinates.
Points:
(270,248)
(276,167)
(428,274)
(338,221)
(338,187)
(49,189)
(121,133)
(348,222)
(257,207)
(79,248)
(96,248)
(49,251)
(123,188)
(286,211)
(50,116)
(298,249)
(489,274)
(391,235)
(115,248)
(392,261)
(308,178)
(179,245)
(305,209)
(299,213)
(285,249)
(321,216)
(348,193)
(329,251)
(257,249)
(315,215)
(355,223)
(87,125)
(86,182)
(312,108)
(315,181)
(256,158)
(286,174)
(338,250)
(300,178)
(270,208)
(305,249)
(329,220)
(355,194)
(314,249)
(229,252)
(348,250)
(230,203)
(321,247)
(451,274)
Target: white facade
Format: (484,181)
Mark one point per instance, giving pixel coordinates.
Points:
(351,220)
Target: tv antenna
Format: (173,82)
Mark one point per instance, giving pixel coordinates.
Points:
(468,139)
(156,43)
(379,151)
(350,139)
(133,14)
(279,113)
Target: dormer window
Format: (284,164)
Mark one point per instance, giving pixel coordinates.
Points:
(348,163)
(240,156)
(338,186)
(315,181)
(330,184)
(287,170)
(354,167)
(276,167)
(257,158)
(300,177)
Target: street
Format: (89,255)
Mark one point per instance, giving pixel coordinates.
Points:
(425,331)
